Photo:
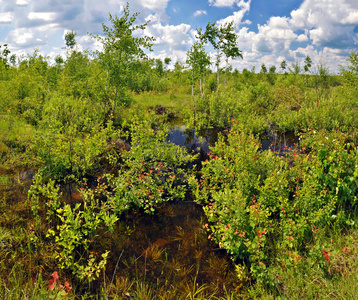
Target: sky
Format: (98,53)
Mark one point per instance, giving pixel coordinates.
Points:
(270,31)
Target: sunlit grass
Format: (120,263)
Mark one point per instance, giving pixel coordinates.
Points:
(178,104)
(312,282)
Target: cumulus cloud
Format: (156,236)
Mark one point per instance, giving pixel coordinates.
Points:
(275,37)
(44,16)
(154,4)
(328,27)
(21,2)
(323,21)
(302,38)
(351,19)
(237,16)
(6,18)
(85,16)
(200,12)
(329,23)
(176,37)
(222,3)
(22,36)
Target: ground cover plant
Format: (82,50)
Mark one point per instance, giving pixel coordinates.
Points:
(271,212)
(96,202)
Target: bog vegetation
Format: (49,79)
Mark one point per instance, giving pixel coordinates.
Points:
(86,168)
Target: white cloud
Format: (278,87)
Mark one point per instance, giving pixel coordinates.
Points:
(273,38)
(279,22)
(154,4)
(327,21)
(22,36)
(21,2)
(237,16)
(176,37)
(48,28)
(88,42)
(6,18)
(44,16)
(200,12)
(352,18)
(245,39)
(302,38)
(222,3)
(328,24)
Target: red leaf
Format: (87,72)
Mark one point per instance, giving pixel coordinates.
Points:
(52,281)
(67,286)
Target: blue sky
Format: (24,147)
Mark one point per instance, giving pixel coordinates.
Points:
(269,30)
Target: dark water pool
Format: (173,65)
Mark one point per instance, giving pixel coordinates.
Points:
(194,140)
(169,250)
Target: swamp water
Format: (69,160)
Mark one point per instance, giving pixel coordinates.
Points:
(169,251)
(196,141)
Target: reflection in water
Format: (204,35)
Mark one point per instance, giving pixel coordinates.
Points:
(198,141)
(279,143)
(168,249)
(192,139)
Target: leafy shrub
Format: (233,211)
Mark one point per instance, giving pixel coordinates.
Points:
(152,171)
(62,112)
(271,212)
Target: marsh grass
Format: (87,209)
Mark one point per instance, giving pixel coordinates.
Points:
(312,282)
(150,260)
(178,104)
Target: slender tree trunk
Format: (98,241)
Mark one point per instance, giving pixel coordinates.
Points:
(192,94)
(203,86)
(225,74)
(316,83)
(217,74)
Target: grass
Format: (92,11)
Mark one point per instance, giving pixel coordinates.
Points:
(176,103)
(25,264)
(312,282)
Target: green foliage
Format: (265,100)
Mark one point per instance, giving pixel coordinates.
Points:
(71,229)
(40,191)
(275,215)
(71,155)
(4,61)
(153,171)
(143,181)
(308,64)
(63,112)
(295,68)
(224,41)
(70,38)
(283,65)
(263,69)
(247,107)
(198,60)
(76,79)
(350,73)
(271,212)
(158,64)
(121,51)
(353,62)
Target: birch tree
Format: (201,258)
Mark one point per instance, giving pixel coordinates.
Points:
(224,41)
(121,52)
